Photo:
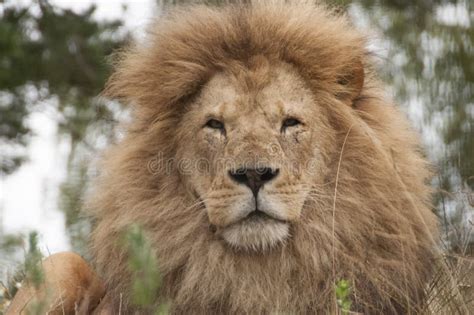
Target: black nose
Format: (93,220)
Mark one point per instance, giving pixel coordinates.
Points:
(254,178)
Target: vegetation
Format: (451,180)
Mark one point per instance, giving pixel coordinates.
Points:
(146,279)
(30,273)
(143,265)
(343,292)
(54,60)
(429,66)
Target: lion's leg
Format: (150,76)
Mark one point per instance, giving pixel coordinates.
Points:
(70,286)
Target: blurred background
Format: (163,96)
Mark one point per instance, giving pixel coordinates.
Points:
(54,62)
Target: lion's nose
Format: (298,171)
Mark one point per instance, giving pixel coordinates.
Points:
(254,178)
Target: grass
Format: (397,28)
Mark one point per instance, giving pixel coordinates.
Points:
(143,265)
(343,292)
(30,273)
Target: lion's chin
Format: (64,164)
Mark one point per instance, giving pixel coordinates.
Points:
(256,234)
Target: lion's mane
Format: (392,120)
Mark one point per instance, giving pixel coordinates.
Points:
(370,224)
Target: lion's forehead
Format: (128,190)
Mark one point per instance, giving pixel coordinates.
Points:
(229,97)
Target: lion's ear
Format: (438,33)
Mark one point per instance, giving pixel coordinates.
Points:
(351,82)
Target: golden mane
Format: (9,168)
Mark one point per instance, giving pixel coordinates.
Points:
(371,224)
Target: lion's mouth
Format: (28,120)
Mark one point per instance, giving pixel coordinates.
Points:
(257,231)
(259,215)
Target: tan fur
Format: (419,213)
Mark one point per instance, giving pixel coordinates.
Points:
(361,212)
(71,287)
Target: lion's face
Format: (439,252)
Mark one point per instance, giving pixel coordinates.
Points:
(252,144)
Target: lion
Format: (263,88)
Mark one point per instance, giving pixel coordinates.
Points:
(265,164)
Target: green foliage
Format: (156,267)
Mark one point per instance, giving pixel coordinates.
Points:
(143,265)
(54,54)
(4,298)
(10,243)
(343,292)
(30,273)
(70,201)
(55,61)
(434,67)
(33,270)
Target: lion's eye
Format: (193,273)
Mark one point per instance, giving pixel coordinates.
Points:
(290,122)
(215,124)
